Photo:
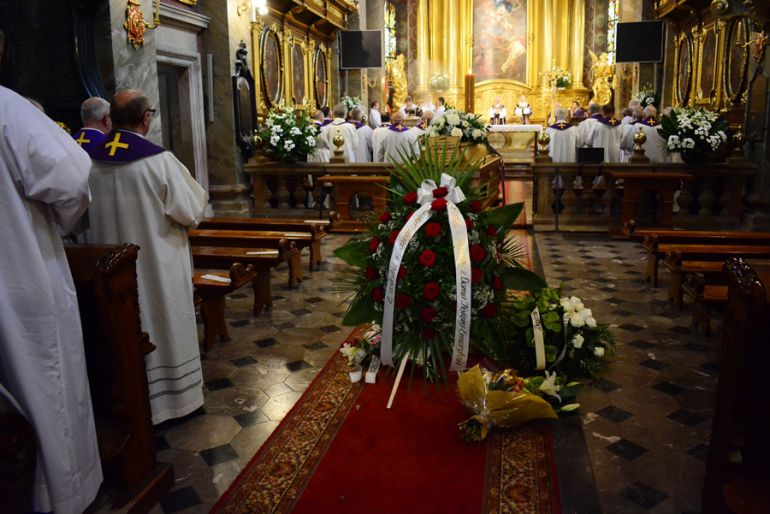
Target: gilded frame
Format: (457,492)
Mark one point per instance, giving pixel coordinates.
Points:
(682,92)
(321,53)
(271,33)
(298,45)
(736,95)
(706,94)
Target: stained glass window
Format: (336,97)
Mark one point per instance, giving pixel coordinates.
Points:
(612,21)
(390,31)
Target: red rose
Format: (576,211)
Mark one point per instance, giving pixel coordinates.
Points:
(476,276)
(497,283)
(374,244)
(410,198)
(489,311)
(428,333)
(377,294)
(431,290)
(428,314)
(393,236)
(401,272)
(492,230)
(433,229)
(427,258)
(468,223)
(385,217)
(439,204)
(440,192)
(403,300)
(371,273)
(477,253)
(476,206)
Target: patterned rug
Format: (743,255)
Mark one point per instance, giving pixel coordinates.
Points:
(519,476)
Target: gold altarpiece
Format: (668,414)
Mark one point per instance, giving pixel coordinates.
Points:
(555,31)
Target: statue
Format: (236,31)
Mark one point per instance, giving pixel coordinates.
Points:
(397,78)
(603,75)
(135,24)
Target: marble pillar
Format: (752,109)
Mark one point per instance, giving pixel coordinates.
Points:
(136,68)
(375,20)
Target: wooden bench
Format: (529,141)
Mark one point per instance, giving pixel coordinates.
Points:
(692,236)
(316,228)
(256,240)
(705,298)
(679,270)
(210,296)
(115,347)
(707,250)
(262,261)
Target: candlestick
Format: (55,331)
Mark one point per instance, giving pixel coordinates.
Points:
(470,91)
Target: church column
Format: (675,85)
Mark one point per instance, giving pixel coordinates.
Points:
(576,37)
(423,45)
(375,20)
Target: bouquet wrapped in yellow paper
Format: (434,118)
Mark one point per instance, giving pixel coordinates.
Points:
(498,399)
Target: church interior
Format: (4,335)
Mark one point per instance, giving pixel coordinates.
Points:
(303,225)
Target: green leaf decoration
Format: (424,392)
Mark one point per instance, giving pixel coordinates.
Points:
(360,311)
(355,253)
(503,217)
(521,279)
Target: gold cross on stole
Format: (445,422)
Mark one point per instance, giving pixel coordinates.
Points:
(115,144)
(82,139)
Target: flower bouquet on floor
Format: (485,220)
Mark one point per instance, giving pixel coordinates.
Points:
(432,270)
(545,331)
(697,133)
(288,135)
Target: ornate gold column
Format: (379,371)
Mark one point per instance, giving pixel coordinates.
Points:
(577,35)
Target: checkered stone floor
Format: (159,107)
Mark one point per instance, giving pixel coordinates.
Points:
(647,421)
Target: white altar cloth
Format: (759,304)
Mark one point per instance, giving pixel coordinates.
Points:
(515,128)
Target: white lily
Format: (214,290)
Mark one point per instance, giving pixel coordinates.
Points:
(349,352)
(599,351)
(549,386)
(577,341)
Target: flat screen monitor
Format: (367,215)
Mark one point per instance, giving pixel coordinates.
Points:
(639,41)
(590,155)
(360,49)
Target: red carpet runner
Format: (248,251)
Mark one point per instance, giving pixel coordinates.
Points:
(340,451)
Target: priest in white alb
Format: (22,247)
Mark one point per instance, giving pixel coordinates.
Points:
(142,194)
(565,138)
(44,177)
(587,125)
(655,146)
(606,134)
(339,125)
(364,132)
(399,143)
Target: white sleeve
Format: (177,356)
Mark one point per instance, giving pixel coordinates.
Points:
(185,199)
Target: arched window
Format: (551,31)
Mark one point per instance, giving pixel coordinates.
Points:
(390,31)
(612,21)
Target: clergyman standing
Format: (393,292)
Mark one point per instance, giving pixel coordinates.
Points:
(142,194)
(95,114)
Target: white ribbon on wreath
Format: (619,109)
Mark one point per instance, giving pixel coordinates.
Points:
(462,269)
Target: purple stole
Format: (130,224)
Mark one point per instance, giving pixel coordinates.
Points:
(89,139)
(326,122)
(358,124)
(561,125)
(650,122)
(121,147)
(611,121)
(398,128)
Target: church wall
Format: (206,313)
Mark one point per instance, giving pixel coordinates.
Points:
(136,68)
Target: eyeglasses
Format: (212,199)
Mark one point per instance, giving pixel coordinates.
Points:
(152,112)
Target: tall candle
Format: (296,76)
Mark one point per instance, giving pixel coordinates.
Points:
(470,91)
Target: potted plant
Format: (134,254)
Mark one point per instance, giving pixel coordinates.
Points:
(563,82)
(288,135)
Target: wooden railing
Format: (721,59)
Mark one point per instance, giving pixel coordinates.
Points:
(713,194)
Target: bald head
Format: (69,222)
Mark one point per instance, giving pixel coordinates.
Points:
(131,110)
(95,114)
(397,118)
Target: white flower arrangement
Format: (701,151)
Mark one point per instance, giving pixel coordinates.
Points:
(288,134)
(689,129)
(468,127)
(646,95)
(351,102)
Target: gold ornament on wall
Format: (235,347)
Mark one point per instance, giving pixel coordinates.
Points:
(135,25)
(603,78)
(397,78)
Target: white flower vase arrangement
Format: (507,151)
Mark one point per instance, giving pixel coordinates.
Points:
(288,135)
(351,102)
(697,134)
(647,96)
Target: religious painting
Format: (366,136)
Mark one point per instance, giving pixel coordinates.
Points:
(738,58)
(708,60)
(298,73)
(684,69)
(500,39)
(320,78)
(271,67)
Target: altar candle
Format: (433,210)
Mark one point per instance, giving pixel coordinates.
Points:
(470,91)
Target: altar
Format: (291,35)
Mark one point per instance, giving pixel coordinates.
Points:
(515,142)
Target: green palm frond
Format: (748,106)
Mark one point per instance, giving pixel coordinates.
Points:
(432,162)
(511,251)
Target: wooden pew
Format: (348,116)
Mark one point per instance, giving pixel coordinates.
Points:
(316,228)
(210,296)
(262,261)
(680,269)
(739,449)
(705,298)
(115,346)
(705,249)
(693,236)
(256,240)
